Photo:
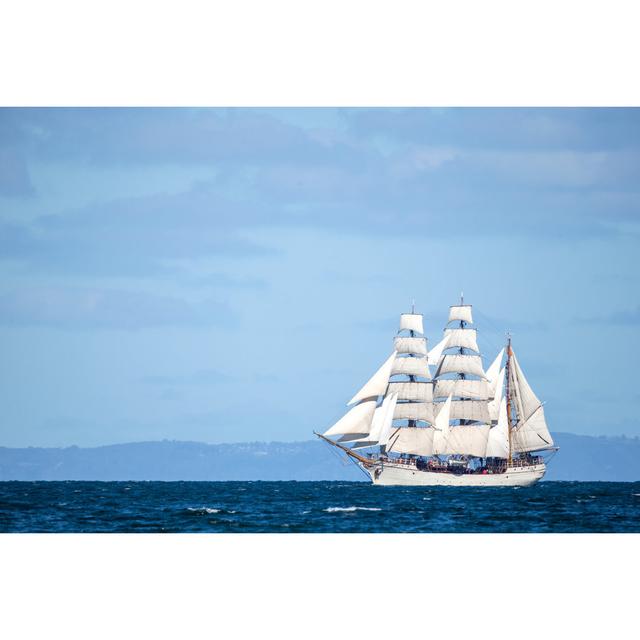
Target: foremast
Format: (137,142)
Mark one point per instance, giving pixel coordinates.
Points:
(508,399)
(410,377)
(397,398)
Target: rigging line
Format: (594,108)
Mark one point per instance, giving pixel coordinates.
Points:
(487,320)
(350,459)
(492,329)
(489,342)
(345,463)
(494,346)
(337,455)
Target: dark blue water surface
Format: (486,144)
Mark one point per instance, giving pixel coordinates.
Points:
(322,507)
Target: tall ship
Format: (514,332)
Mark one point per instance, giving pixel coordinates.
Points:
(437,417)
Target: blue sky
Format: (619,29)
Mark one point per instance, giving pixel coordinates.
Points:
(228,275)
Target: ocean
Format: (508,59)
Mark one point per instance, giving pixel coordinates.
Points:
(316,507)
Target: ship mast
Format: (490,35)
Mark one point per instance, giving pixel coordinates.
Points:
(412,423)
(462,376)
(508,394)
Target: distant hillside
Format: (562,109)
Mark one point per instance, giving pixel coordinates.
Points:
(580,458)
(171,460)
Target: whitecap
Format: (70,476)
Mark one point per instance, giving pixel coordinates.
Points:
(335,509)
(203,510)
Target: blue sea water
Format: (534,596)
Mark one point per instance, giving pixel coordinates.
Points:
(319,507)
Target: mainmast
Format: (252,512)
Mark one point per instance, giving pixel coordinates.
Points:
(508,394)
(403,382)
(462,376)
(460,357)
(412,378)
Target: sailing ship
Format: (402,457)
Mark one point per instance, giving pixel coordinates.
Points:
(461,426)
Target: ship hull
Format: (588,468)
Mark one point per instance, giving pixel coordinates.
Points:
(409,475)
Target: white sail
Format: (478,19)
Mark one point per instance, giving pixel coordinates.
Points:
(465,338)
(460,313)
(436,353)
(413,440)
(377,384)
(498,442)
(414,411)
(356,421)
(378,421)
(492,373)
(528,400)
(513,390)
(470,410)
(361,444)
(533,434)
(409,366)
(441,426)
(385,430)
(411,322)
(418,391)
(476,389)
(417,346)
(470,440)
(454,363)
(382,415)
(494,405)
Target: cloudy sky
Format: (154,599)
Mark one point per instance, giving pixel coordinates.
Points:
(236,274)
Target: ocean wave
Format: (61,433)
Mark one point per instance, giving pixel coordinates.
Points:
(203,510)
(559,507)
(335,509)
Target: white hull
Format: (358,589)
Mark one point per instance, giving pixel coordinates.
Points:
(408,475)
